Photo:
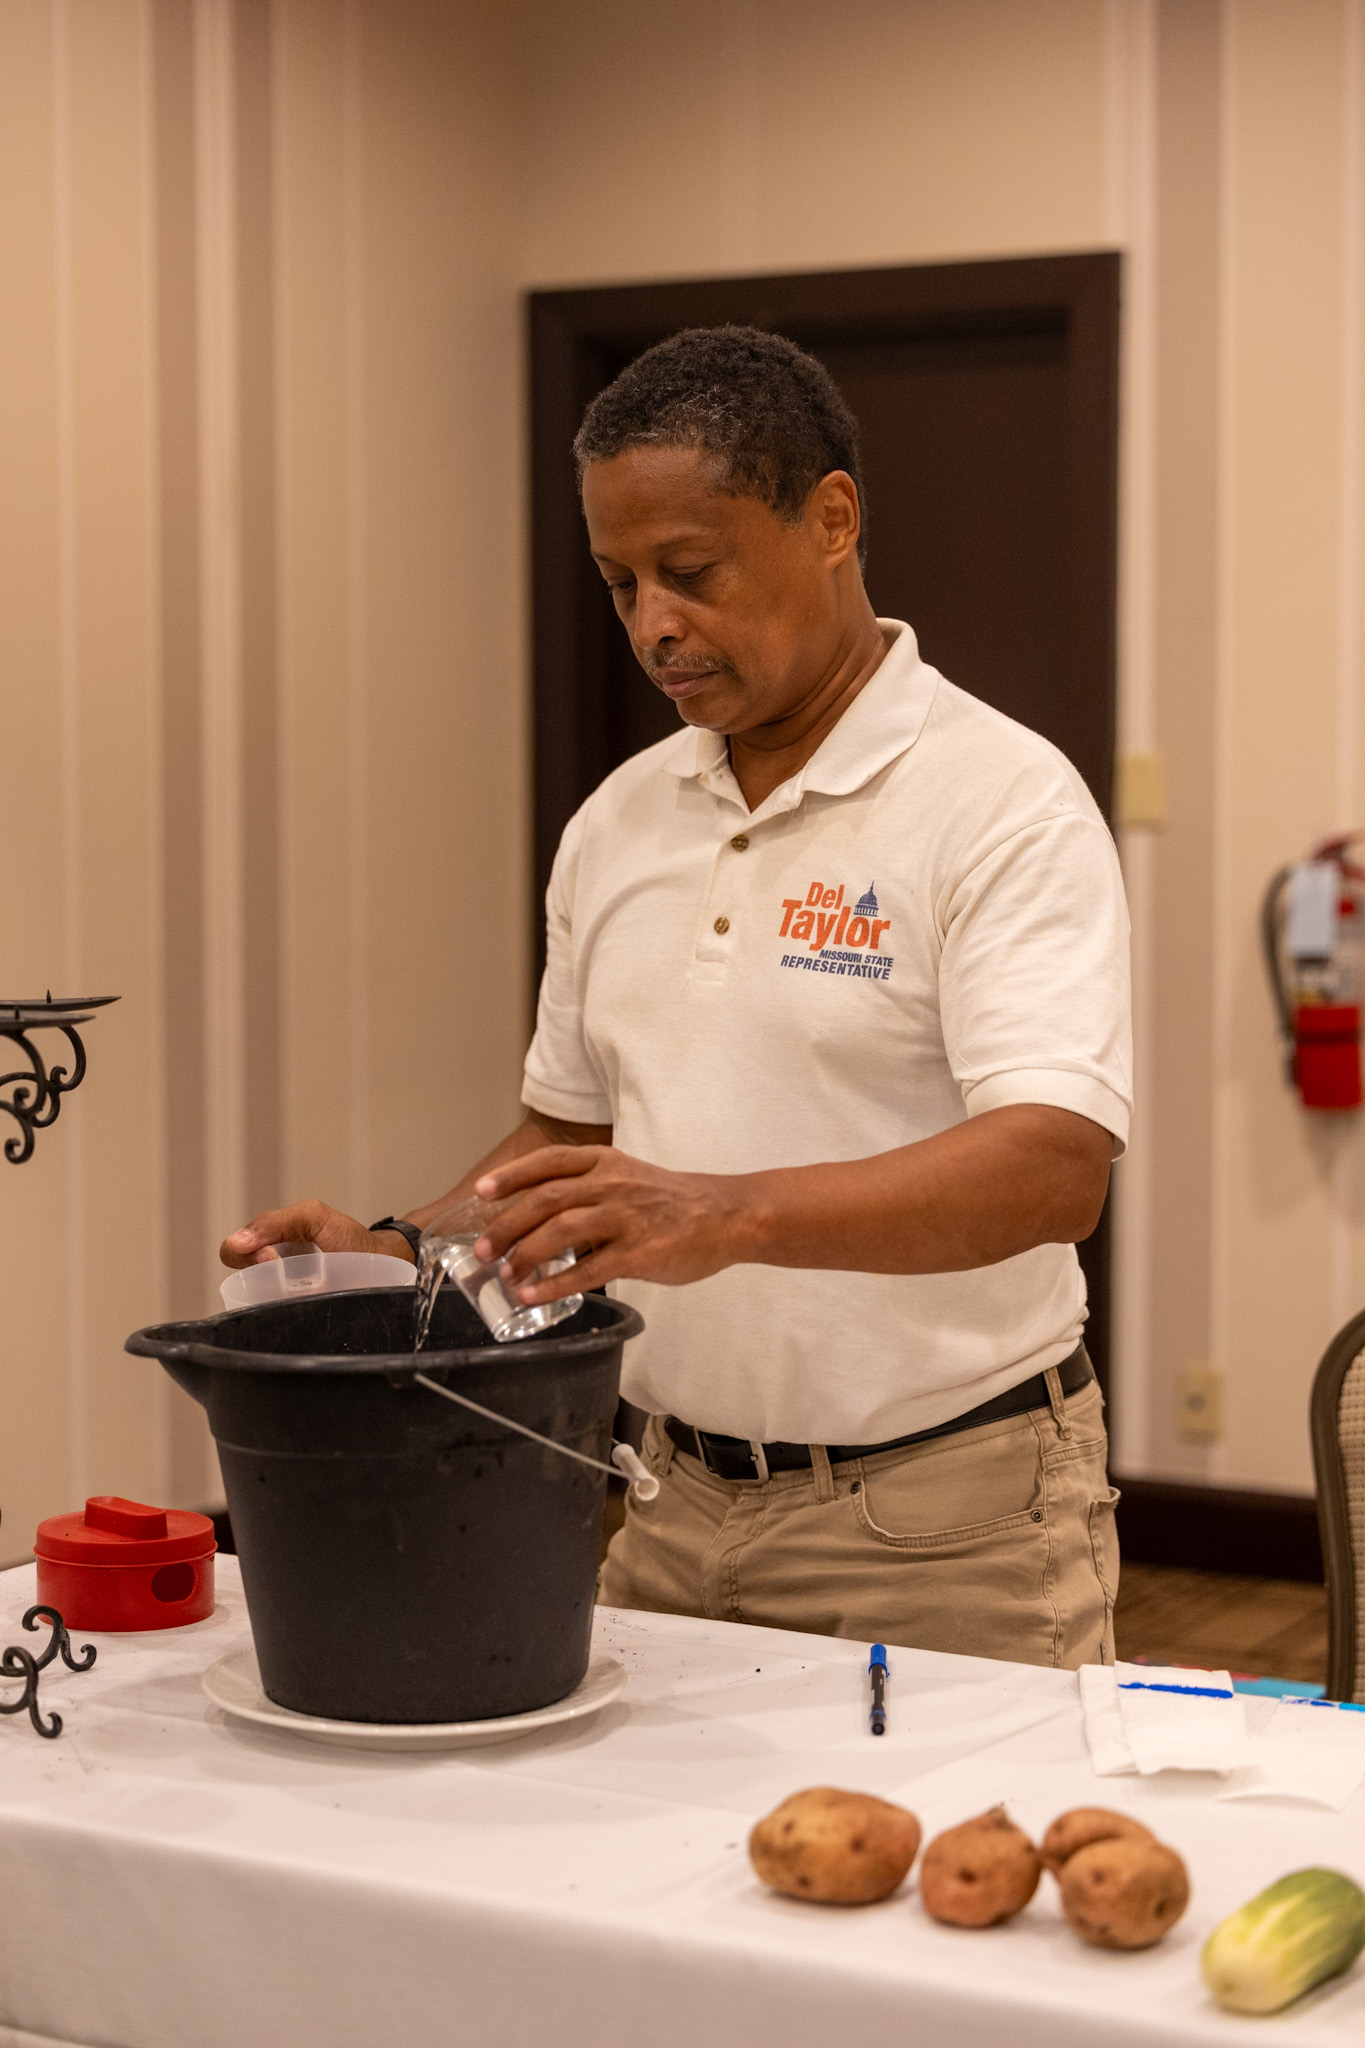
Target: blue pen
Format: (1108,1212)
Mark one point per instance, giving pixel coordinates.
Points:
(877,1672)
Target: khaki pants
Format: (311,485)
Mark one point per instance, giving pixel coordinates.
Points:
(996,1542)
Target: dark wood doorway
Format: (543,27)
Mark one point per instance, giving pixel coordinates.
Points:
(987,394)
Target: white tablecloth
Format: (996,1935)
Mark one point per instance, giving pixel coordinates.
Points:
(171,1880)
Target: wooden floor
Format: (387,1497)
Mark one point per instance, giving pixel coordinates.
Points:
(1271,1628)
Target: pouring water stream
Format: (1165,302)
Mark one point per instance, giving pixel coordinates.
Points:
(442,1253)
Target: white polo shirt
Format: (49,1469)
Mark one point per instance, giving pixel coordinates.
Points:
(927,921)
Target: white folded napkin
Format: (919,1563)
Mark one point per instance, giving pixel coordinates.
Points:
(1309,1749)
(1157,1717)
(1111,1753)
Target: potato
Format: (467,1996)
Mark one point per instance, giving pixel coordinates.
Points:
(1083,1825)
(980,1873)
(837,1848)
(1124,1893)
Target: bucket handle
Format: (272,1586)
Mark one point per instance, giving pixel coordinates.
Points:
(643,1484)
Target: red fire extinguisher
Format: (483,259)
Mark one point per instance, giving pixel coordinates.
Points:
(1312,924)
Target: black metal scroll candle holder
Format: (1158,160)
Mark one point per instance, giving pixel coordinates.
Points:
(36,1090)
(16,1662)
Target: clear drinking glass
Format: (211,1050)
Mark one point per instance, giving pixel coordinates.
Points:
(447,1248)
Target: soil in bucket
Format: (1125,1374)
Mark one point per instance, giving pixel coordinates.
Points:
(403,1559)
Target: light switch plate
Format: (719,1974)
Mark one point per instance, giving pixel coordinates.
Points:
(1140,789)
(1199,1403)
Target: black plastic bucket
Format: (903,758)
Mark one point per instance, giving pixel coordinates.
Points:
(403,1559)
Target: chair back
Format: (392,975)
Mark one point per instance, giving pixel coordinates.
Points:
(1337,1412)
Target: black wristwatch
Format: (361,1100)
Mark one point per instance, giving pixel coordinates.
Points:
(407,1230)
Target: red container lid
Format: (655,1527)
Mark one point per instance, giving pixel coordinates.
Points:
(116,1531)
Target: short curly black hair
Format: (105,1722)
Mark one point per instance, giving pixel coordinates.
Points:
(771,415)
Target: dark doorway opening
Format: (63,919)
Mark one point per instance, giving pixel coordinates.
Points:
(988,399)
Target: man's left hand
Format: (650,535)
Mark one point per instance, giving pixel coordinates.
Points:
(625,1219)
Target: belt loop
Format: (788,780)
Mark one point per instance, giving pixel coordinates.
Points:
(1057,1400)
(822,1472)
(667,1449)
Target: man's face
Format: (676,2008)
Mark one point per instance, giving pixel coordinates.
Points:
(734,613)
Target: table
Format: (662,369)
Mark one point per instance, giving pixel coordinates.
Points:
(169,1879)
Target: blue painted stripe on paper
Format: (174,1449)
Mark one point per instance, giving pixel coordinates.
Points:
(1195,1692)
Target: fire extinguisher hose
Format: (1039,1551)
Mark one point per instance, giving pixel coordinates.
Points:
(1270,943)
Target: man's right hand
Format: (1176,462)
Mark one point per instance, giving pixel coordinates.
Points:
(307,1223)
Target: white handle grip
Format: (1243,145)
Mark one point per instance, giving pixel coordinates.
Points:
(643,1484)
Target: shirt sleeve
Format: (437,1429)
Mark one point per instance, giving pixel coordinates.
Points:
(1034,976)
(560,1077)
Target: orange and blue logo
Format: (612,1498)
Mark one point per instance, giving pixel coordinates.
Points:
(839,937)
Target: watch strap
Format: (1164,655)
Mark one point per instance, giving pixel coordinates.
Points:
(408,1230)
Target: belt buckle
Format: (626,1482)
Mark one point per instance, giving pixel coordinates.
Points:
(700,1442)
(756,1452)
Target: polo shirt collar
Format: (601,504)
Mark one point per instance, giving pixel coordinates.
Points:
(884,719)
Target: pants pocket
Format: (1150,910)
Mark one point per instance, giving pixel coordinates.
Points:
(1104,1548)
(962,1537)
(962,1491)
(976,1587)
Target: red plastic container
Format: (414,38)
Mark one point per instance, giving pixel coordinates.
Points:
(123,1566)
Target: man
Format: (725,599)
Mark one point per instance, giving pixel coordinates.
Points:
(830,1063)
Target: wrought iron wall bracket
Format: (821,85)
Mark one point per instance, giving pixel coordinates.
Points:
(16,1662)
(60,1641)
(35,1092)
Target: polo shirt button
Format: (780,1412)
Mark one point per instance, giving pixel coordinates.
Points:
(722,925)
(740,841)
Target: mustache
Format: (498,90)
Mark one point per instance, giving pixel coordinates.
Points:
(655,665)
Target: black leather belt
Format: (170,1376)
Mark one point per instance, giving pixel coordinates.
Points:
(734,1457)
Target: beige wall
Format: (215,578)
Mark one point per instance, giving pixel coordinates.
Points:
(82,1225)
(261,657)
(1289,1246)
(261,623)
(403,749)
(679,139)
